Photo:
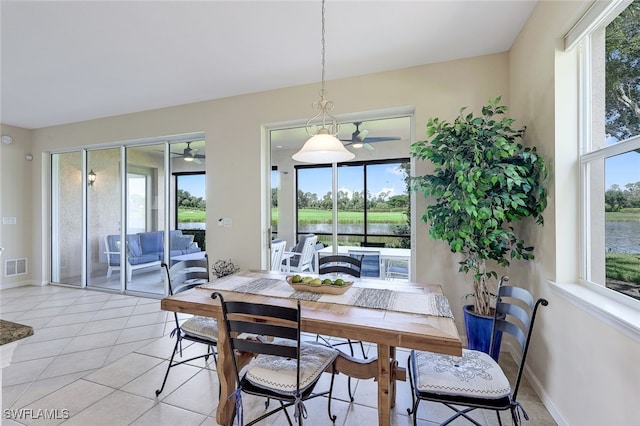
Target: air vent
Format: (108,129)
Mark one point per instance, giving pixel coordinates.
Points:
(15,267)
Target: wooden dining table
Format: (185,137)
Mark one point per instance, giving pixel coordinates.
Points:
(387,329)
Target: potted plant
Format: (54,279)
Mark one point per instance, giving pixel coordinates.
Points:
(483,182)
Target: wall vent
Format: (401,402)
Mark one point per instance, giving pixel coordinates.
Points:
(15,267)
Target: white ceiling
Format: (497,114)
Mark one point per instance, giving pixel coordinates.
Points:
(68,61)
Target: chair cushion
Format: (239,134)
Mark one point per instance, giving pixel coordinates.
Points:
(475,374)
(181,242)
(203,327)
(279,374)
(145,258)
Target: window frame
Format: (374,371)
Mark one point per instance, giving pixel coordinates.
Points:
(587,155)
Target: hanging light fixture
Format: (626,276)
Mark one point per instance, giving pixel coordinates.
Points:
(323,146)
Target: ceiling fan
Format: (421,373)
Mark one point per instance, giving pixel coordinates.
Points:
(190,154)
(358,138)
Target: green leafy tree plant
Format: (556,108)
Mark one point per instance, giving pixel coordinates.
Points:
(483,182)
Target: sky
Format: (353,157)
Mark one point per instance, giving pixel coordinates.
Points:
(194,184)
(381,177)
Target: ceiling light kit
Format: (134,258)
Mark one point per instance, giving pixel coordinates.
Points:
(323,146)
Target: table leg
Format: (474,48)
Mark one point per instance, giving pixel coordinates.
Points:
(226,376)
(385,401)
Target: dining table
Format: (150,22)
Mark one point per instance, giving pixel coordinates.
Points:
(388,314)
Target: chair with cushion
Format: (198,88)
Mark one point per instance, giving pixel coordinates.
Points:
(475,380)
(183,276)
(283,369)
(370,262)
(277,250)
(347,265)
(303,254)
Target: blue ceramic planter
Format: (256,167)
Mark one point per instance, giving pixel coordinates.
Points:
(479,332)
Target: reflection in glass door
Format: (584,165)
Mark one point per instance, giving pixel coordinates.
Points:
(66,218)
(145,219)
(103,219)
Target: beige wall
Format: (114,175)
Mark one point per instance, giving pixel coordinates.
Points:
(17,180)
(584,369)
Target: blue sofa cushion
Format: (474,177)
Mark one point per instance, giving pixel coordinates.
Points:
(145,258)
(182,242)
(133,246)
(151,242)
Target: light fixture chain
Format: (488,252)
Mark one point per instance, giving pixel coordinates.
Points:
(322,92)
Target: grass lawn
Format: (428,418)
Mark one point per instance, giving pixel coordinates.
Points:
(325,216)
(623,267)
(191,215)
(623,216)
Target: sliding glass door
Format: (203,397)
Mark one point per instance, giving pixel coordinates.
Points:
(67,218)
(113,222)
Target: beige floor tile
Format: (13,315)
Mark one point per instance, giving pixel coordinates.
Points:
(49,348)
(147,319)
(82,307)
(76,362)
(117,408)
(122,371)
(91,341)
(24,372)
(146,384)
(124,349)
(164,414)
(41,388)
(74,397)
(120,302)
(199,394)
(71,319)
(40,313)
(162,347)
(141,333)
(53,333)
(148,308)
(113,313)
(10,394)
(100,326)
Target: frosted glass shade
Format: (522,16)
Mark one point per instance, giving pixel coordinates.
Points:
(323,148)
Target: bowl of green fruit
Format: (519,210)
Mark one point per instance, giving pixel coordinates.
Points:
(319,284)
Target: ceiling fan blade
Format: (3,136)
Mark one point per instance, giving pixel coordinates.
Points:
(368,146)
(197,161)
(374,139)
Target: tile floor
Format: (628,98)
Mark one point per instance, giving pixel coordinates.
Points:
(97,359)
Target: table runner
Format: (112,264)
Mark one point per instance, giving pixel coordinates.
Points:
(413,300)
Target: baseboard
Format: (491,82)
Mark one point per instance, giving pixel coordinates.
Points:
(537,386)
(6,286)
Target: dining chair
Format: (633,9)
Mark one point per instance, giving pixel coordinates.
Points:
(347,265)
(182,276)
(283,368)
(476,380)
(277,250)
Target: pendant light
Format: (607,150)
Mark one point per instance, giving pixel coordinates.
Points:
(323,146)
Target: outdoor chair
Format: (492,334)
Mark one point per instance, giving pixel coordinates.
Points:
(303,254)
(347,265)
(475,380)
(370,262)
(397,269)
(277,250)
(183,276)
(283,368)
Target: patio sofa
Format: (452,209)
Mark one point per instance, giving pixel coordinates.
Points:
(146,249)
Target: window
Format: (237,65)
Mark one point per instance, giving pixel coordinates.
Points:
(372,202)
(610,151)
(191,205)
